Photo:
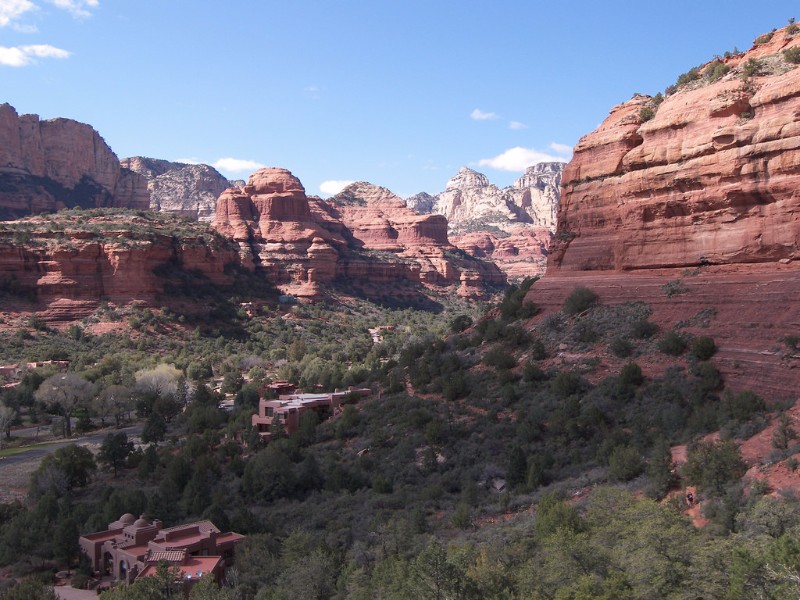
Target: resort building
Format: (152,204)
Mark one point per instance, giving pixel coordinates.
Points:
(132,548)
(289,408)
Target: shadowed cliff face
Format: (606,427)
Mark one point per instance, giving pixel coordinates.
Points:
(365,235)
(48,165)
(711,178)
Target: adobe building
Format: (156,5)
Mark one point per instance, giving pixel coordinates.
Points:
(289,408)
(132,547)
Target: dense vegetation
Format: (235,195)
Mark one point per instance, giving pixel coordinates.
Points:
(479,468)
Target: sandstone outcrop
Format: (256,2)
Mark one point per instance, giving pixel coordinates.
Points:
(711,178)
(702,187)
(365,235)
(189,190)
(510,226)
(71,261)
(57,163)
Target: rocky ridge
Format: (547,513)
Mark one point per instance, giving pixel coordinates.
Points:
(184,189)
(57,163)
(511,226)
(701,188)
(364,235)
(70,261)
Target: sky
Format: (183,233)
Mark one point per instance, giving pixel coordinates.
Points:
(399,93)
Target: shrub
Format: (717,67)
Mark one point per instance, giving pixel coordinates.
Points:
(791,341)
(624,464)
(672,343)
(692,74)
(703,347)
(646,113)
(579,300)
(500,359)
(538,351)
(751,68)
(713,465)
(643,328)
(717,70)
(621,347)
(566,383)
(631,374)
(460,323)
(674,288)
(792,55)
(763,39)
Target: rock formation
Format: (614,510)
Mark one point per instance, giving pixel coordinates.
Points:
(365,234)
(702,187)
(47,165)
(711,178)
(510,226)
(185,189)
(72,260)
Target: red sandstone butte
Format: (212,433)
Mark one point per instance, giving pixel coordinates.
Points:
(708,190)
(364,234)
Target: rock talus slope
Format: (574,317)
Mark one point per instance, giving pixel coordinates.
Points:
(57,163)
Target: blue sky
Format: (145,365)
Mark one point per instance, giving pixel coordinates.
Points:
(400,93)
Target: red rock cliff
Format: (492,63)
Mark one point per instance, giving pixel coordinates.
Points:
(47,165)
(712,178)
(365,235)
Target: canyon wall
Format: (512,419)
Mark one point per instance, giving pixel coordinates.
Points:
(57,163)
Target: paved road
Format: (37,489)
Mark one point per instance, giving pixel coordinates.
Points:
(38,452)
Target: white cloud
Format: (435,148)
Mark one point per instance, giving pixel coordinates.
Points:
(21,56)
(78,8)
(518,159)
(516,125)
(479,115)
(334,186)
(189,161)
(561,148)
(11,10)
(237,165)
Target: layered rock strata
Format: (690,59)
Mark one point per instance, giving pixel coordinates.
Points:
(702,187)
(711,178)
(364,234)
(48,165)
(70,263)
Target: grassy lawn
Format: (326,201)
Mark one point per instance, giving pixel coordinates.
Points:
(13,451)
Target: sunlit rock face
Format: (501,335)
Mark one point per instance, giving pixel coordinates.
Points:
(48,165)
(189,190)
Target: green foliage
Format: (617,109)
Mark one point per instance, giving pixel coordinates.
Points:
(460,323)
(712,466)
(499,358)
(30,588)
(674,288)
(672,343)
(703,348)
(66,468)
(631,374)
(642,329)
(621,347)
(764,38)
(792,55)
(646,113)
(751,68)
(580,299)
(784,433)
(115,450)
(625,463)
(716,70)
(514,305)
(692,74)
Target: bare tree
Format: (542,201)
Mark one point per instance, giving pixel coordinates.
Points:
(7,416)
(65,391)
(161,381)
(116,400)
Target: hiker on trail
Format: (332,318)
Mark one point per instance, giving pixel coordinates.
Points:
(689,498)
